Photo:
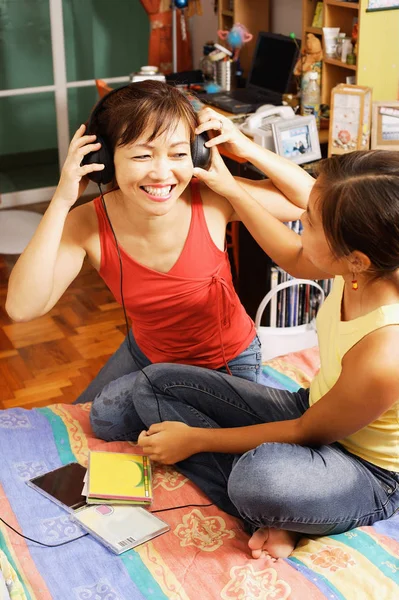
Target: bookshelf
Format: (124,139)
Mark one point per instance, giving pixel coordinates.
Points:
(378,46)
(335,14)
(254,14)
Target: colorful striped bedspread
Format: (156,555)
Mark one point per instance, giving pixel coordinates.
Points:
(204,556)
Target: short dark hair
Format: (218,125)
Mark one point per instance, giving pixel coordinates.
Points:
(128,112)
(360,206)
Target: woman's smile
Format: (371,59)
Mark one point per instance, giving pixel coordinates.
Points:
(158,192)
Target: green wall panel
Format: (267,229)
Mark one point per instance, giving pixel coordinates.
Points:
(103,38)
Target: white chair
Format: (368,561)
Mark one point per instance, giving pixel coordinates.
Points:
(16,229)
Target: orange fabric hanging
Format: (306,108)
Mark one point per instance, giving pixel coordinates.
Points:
(160,47)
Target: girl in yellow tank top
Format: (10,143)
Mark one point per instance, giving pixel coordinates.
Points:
(319,462)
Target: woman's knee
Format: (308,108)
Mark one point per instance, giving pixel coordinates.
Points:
(99,420)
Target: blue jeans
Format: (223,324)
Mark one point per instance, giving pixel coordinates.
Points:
(316,491)
(113,415)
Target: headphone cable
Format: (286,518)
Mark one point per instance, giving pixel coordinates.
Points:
(123,301)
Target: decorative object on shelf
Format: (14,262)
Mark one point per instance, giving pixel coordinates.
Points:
(330,35)
(385,125)
(350,119)
(310,97)
(311,56)
(318,15)
(351,59)
(374,5)
(147,72)
(235,38)
(309,62)
(347,50)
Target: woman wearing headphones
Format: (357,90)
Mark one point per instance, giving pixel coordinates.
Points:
(157,239)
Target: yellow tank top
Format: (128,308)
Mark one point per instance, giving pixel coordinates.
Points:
(378,442)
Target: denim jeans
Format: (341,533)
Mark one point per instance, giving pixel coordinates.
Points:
(113,415)
(317,491)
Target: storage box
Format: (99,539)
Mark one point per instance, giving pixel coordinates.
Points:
(350,121)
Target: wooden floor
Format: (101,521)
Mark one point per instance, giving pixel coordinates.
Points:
(53,358)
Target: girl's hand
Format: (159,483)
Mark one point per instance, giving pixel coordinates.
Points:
(168,442)
(223,131)
(73,180)
(217,176)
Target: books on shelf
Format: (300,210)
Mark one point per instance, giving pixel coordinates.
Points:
(318,15)
(295,305)
(119,478)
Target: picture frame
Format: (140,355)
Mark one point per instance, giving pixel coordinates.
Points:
(385,125)
(297,139)
(375,5)
(350,120)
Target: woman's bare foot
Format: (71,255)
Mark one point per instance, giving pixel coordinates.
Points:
(273,543)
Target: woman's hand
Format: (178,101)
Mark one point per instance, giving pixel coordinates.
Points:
(168,442)
(73,180)
(223,132)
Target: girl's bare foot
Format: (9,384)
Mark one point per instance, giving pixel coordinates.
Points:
(273,543)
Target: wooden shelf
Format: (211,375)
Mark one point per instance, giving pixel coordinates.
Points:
(315,30)
(228,13)
(339,63)
(352,5)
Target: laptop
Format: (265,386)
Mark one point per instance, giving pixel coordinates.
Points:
(269,78)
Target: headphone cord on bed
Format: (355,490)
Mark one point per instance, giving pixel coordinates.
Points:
(85,534)
(37,541)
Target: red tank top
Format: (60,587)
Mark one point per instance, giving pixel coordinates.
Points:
(190,315)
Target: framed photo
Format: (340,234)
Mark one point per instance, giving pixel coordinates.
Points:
(374,5)
(350,121)
(297,139)
(385,125)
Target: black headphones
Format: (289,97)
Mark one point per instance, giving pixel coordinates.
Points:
(199,152)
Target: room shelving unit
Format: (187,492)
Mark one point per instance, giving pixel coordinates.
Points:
(378,46)
(335,14)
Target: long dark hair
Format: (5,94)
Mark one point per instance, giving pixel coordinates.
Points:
(359,195)
(123,118)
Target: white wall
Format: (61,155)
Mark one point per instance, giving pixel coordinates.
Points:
(286,16)
(203,29)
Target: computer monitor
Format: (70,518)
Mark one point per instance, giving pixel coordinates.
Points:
(273,63)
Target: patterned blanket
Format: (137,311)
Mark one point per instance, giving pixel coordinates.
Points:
(204,556)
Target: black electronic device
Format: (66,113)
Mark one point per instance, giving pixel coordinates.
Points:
(269,78)
(200,154)
(63,486)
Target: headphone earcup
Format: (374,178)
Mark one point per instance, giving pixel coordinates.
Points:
(102,156)
(200,154)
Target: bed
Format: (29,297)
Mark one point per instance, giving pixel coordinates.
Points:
(203,556)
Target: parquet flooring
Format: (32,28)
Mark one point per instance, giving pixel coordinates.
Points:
(53,358)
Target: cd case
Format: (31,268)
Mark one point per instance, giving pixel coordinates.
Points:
(119,528)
